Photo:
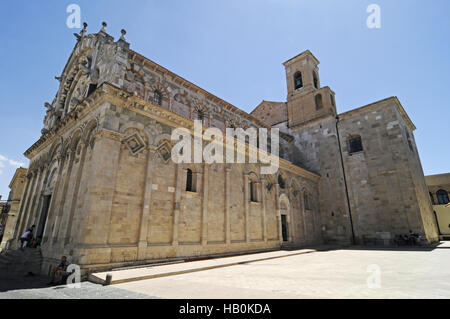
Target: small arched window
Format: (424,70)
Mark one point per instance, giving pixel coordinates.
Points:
(191,181)
(298,82)
(157,97)
(442,196)
(332,99)
(253,191)
(281,182)
(316,81)
(319,103)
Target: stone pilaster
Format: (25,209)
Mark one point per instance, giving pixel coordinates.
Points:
(74,199)
(304,217)
(263,208)
(23,205)
(247,208)
(142,244)
(205,205)
(60,207)
(36,201)
(227,205)
(176,211)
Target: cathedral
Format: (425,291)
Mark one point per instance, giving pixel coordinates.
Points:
(102,188)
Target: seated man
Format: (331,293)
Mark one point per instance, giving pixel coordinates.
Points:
(60,271)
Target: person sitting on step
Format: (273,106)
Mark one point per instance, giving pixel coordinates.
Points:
(60,272)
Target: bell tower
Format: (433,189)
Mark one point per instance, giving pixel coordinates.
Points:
(306,99)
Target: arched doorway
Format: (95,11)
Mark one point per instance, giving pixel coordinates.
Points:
(285,218)
(46,200)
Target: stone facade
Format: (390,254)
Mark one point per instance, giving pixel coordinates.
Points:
(103,190)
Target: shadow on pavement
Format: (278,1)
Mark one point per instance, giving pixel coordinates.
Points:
(24,282)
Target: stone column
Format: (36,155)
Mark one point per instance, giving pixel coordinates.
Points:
(36,201)
(142,244)
(73,200)
(25,197)
(263,208)
(205,205)
(247,208)
(227,205)
(28,208)
(304,217)
(60,206)
(170,103)
(290,222)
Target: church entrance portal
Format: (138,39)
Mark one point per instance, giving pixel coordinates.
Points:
(43,219)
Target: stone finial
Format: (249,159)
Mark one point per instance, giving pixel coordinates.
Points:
(122,37)
(104,25)
(83,31)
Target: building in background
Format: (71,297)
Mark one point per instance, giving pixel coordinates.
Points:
(11,211)
(439,188)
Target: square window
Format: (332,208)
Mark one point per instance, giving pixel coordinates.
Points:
(355,144)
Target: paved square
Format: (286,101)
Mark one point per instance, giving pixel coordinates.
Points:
(406,273)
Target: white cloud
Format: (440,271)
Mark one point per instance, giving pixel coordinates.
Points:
(16,164)
(4,159)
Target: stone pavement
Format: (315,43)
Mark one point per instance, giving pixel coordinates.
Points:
(345,273)
(152,271)
(403,273)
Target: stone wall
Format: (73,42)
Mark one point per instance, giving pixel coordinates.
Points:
(319,147)
(271,113)
(385,179)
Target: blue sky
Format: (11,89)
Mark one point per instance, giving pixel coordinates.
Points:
(235,49)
